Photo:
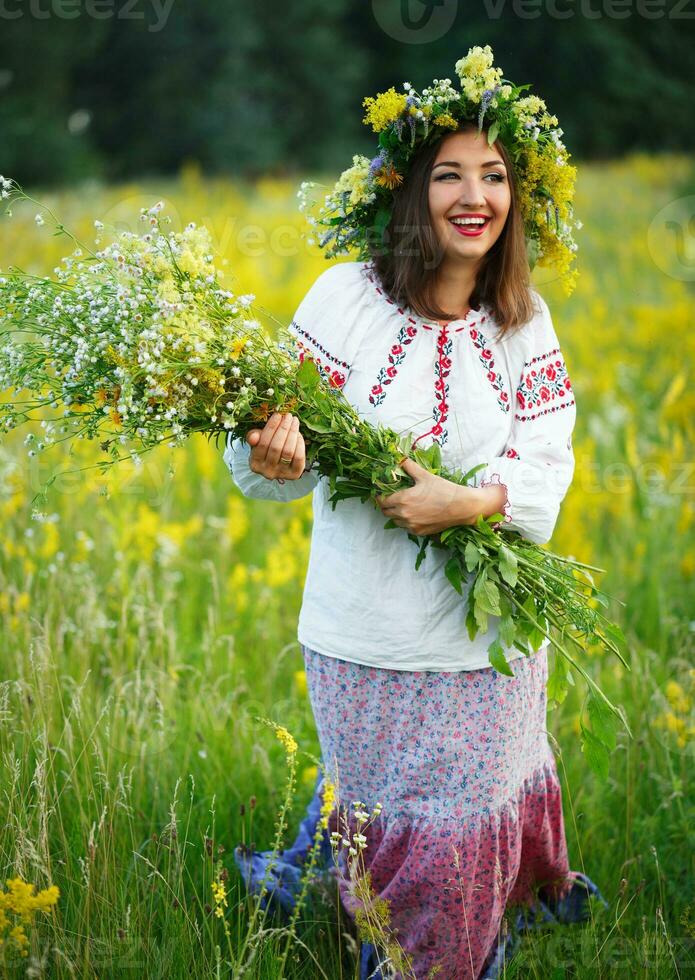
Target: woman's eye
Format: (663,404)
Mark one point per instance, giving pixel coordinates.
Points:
(498,177)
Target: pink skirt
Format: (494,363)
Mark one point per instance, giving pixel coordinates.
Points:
(472,811)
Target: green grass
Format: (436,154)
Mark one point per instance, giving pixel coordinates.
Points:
(142,634)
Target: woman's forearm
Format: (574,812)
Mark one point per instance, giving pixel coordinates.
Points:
(472,502)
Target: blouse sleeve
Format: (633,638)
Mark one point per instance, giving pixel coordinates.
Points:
(537,465)
(320,329)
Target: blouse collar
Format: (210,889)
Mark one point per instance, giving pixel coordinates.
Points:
(470,319)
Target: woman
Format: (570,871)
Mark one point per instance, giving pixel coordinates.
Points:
(441,336)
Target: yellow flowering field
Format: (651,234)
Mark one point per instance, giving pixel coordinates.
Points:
(148,621)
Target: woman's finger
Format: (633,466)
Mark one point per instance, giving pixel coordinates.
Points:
(299,461)
(268,431)
(277,441)
(300,449)
(288,450)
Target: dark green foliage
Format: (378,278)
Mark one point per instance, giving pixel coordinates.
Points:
(276,88)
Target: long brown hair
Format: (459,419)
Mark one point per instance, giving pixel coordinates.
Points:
(408,267)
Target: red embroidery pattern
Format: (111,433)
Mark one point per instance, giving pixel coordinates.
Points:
(542,385)
(396,357)
(485,354)
(336,378)
(506,507)
(442,370)
(315,343)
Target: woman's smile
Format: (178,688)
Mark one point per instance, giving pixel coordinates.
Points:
(471,225)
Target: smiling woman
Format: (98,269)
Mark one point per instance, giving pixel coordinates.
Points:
(439,267)
(439,334)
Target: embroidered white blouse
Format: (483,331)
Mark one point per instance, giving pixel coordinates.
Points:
(506,402)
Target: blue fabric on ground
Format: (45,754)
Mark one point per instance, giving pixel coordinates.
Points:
(283,879)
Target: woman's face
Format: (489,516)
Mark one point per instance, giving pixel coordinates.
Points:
(468,179)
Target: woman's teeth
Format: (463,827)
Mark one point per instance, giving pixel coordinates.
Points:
(469,226)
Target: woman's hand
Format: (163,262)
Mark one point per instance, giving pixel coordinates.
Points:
(279,439)
(432,505)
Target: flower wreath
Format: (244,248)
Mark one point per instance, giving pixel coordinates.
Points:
(357,211)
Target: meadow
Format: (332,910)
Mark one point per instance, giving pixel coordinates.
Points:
(148,620)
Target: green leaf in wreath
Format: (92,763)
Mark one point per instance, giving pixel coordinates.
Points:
(493,133)
(532,250)
(383,216)
(498,659)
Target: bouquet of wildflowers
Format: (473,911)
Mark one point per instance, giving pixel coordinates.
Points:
(139,343)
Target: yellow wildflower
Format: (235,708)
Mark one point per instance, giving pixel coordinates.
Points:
(528,107)
(384,109)
(677,698)
(236,348)
(236,584)
(237,519)
(286,739)
(20,900)
(309,774)
(477,74)
(300,682)
(445,120)
(21,602)
(355,180)
(219,895)
(51,540)
(328,802)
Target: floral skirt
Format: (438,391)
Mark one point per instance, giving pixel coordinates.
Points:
(471,817)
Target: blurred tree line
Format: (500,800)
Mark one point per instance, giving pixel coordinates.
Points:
(119,88)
